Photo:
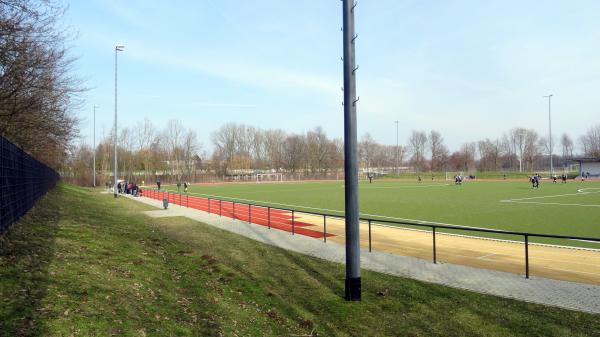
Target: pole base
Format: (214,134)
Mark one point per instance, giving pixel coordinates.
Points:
(353,289)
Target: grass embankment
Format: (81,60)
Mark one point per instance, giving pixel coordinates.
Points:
(84,264)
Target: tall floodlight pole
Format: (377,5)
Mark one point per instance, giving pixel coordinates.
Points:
(118,48)
(550,132)
(353,284)
(397,152)
(94,175)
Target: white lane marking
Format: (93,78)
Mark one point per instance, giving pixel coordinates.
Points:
(547,203)
(550,196)
(582,190)
(399,187)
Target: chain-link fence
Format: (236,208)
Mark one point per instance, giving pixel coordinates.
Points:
(23,179)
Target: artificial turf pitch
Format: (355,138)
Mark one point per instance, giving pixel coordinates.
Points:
(562,209)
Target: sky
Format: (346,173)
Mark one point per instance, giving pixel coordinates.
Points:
(469,69)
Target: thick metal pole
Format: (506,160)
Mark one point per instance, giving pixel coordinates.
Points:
(353,283)
(115,140)
(526,256)
(94,175)
(434,250)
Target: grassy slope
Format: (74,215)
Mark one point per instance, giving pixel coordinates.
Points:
(83,264)
(472,204)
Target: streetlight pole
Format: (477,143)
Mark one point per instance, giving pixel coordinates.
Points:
(397,152)
(118,48)
(94,175)
(353,281)
(550,132)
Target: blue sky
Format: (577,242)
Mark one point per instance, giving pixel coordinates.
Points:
(470,69)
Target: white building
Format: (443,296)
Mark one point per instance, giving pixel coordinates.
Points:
(588,165)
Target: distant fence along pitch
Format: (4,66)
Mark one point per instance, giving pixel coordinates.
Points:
(23,179)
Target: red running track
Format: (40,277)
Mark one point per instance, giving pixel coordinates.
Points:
(275,218)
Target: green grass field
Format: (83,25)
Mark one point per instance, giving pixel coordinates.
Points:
(82,263)
(552,209)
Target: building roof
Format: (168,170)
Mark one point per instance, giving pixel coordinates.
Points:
(585,159)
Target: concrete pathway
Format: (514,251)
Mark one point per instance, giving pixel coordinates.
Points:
(569,295)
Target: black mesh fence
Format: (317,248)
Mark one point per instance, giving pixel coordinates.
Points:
(23,179)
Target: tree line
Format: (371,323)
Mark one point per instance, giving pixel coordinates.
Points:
(146,153)
(37,89)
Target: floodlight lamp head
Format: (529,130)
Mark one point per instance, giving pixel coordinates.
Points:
(119,47)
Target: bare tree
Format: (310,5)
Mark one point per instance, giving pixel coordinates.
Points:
(294,150)
(590,142)
(317,149)
(438,150)
(173,138)
(566,144)
(224,141)
(190,149)
(366,150)
(489,154)
(416,145)
(517,139)
(145,136)
(468,152)
(37,89)
(274,140)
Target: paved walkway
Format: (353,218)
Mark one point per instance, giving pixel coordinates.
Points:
(569,295)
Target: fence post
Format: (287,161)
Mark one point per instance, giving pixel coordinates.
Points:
(293,224)
(233,210)
(324,228)
(526,256)
(220,208)
(434,252)
(208,205)
(369,235)
(269,216)
(249,213)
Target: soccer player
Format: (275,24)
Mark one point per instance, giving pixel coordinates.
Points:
(564,178)
(554,178)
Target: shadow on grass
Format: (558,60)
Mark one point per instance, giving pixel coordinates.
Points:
(335,285)
(26,250)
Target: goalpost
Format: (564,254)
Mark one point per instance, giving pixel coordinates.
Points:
(451,174)
(269,177)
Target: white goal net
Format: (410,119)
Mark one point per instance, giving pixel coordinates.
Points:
(269,177)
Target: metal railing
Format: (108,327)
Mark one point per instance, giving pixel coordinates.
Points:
(23,179)
(369,221)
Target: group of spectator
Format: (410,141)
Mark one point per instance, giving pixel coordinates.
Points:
(128,187)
